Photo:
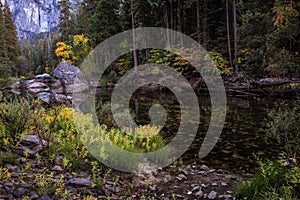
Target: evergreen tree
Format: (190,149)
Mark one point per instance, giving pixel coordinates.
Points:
(66,20)
(104,22)
(3,49)
(254,29)
(86,10)
(11,35)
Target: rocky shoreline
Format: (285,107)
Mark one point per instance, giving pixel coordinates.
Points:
(28,176)
(174,182)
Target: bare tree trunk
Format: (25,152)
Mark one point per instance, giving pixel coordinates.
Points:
(204,25)
(228,34)
(198,22)
(135,61)
(236,68)
(166,18)
(171,15)
(171,19)
(179,18)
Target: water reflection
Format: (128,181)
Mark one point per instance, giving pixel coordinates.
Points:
(242,136)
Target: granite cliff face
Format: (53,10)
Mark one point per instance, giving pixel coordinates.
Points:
(33,17)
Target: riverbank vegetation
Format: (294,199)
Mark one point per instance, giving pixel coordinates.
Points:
(278,179)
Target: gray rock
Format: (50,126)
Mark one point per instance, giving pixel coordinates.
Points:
(32,140)
(212,195)
(196,188)
(71,77)
(60,98)
(37,87)
(31,144)
(220,171)
(71,189)
(21,86)
(202,172)
(66,71)
(31,151)
(14,174)
(33,195)
(44,197)
(185,172)
(19,192)
(44,96)
(23,160)
(8,184)
(57,168)
(181,177)
(204,167)
(80,182)
(9,197)
(28,82)
(15,88)
(227,197)
(223,184)
(26,185)
(70,87)
(199,194)
(42,77)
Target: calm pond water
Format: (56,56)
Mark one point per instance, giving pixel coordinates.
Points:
(243,135)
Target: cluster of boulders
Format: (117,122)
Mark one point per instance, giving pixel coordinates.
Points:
(66,80)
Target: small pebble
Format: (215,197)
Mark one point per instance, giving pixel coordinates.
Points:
(19,192)
(212,195)
(199,194)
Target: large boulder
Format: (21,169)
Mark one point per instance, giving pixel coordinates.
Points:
(70,79)
(66,71)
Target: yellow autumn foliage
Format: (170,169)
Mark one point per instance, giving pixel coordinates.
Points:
(74,53)
(64,51)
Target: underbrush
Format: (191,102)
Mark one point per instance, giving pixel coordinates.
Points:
(114,147)
(72,146)
(278,179)
(273,180)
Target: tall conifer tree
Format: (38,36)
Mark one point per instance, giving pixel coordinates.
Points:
(11,35)
(65,20)
(3,49)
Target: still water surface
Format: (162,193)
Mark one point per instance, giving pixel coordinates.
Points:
(243,135)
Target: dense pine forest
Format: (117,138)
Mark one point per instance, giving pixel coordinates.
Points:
(254,39)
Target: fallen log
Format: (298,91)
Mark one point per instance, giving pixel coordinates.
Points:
(265,87)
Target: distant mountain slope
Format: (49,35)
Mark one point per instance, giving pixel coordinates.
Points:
(33,17)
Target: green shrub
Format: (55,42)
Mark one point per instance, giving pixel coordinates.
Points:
(283,124)
(272,181)
(56,126)
(16,117)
